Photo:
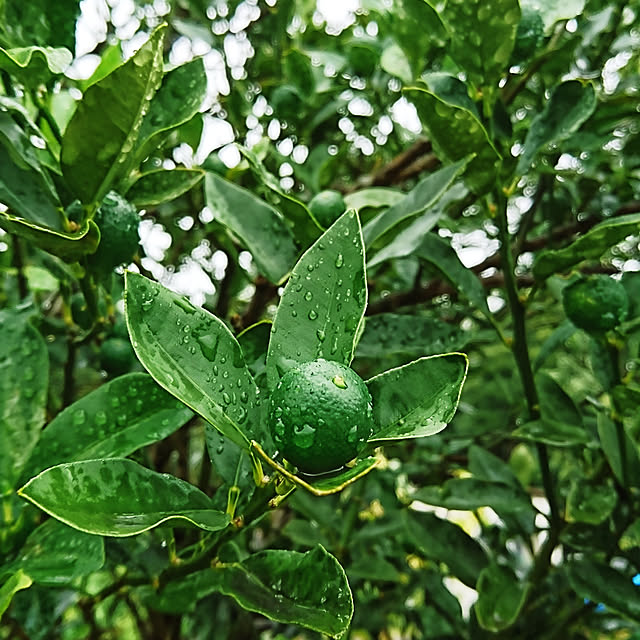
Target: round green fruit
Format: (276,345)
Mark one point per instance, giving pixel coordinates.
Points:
(320,416)
(327,206)
(116,356)
(596,303)
(118,222)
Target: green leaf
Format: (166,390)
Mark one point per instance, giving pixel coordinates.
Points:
(551,11)
(323,302)
(552,432)
(556,340)
(112,421)
(106,123)
(389,334)
(471,493)
(630,538)
(590,503)
(484,465)
(374,197)
(555,403)
(395,63)
(570,104)
(24,379)
(482,38)
(501,596)
(423,196)
(193,355)
(258,225)
(178,99)
(456,132)
(156,187)
(19,580)
(444,541)
(67,246)
(307,589)
(299,72)
(600,583)
(419,398)
(589,246)
(54,554)
(608,436)
(35,65)
(118,497)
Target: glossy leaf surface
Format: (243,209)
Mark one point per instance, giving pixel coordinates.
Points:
(323,302)
(444,541)
(98,139)
(18,581)
(308,589)
(113,421)
(24,378)
(501,596)
(258,225)
(417,399)
(194,356)
(118,497)
(35,65)
(160,186)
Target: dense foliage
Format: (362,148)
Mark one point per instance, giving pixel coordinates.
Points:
(424,192)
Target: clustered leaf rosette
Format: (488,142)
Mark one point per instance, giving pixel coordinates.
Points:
(194,356)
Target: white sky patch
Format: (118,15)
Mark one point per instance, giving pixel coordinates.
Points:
(338,14)
(216,133)
(405,114)
(190,280)
(154,239)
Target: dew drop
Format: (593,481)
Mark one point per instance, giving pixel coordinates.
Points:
(340,259)
(308,296)
(101,418)
(226,398)
(79,417)
(304,435)
(320,334)
(313,314)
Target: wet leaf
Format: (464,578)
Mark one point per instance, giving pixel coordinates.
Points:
(35,65)
(118,497)
(160,186)
(501,596)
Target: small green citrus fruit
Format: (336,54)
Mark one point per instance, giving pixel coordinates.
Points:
(596,303)
(327,206)
(118,222)
(320,416)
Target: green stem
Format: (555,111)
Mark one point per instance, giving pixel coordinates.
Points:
(521,351)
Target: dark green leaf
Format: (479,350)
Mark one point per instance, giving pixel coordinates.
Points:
(446,542)
(552,432)
(24,379)
(570,104)
(419,398)
(258,225)
(609,441)
(422,197)
(307,589)
(105,125)
(118,497)
(323,302)
(374,197)
(602,584)
(589,246)
(457,133)
(156,187)
(589,502)
(35,65)
(193,355)
(501,596)
(484,465)
(55,554)
(555,403)
(19,580)
(113,421)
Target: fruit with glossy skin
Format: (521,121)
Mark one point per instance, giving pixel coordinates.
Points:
(596,303)
(327,206)
(320,416)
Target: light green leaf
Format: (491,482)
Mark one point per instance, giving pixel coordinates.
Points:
(456,132)
(323,303)
(34,65)
(590,503)
(258,225)
(395,63)
(608,436)
(55,554)
(24,379)
(112,421)
(443,541)
(589,246)
(373,197)
(19,580)
(501,596)
(422,197)
(600,583)
(118,497)
(307,589)
(156,187)
(194,356)
(630,538)
(419,398)
(106,123)
(551,11)
(570,104)
(552,432)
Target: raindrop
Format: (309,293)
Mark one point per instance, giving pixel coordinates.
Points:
(313,314)
(101,418)
(244,397)
(352,436)
(308,296)
(79,417)
(303,436)
(226,398)
(340,259)
(321,334)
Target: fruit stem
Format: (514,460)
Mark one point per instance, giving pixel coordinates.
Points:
(521,351)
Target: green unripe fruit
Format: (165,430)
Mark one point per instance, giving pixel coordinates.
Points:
(327,206)
(320,416)
(596,303)
(116,356)
(118,222)
(529,35)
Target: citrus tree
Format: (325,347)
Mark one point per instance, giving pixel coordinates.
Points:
(319,319)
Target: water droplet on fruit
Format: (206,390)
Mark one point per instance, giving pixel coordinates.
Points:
(304,435)
(339,381)
(352,435)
